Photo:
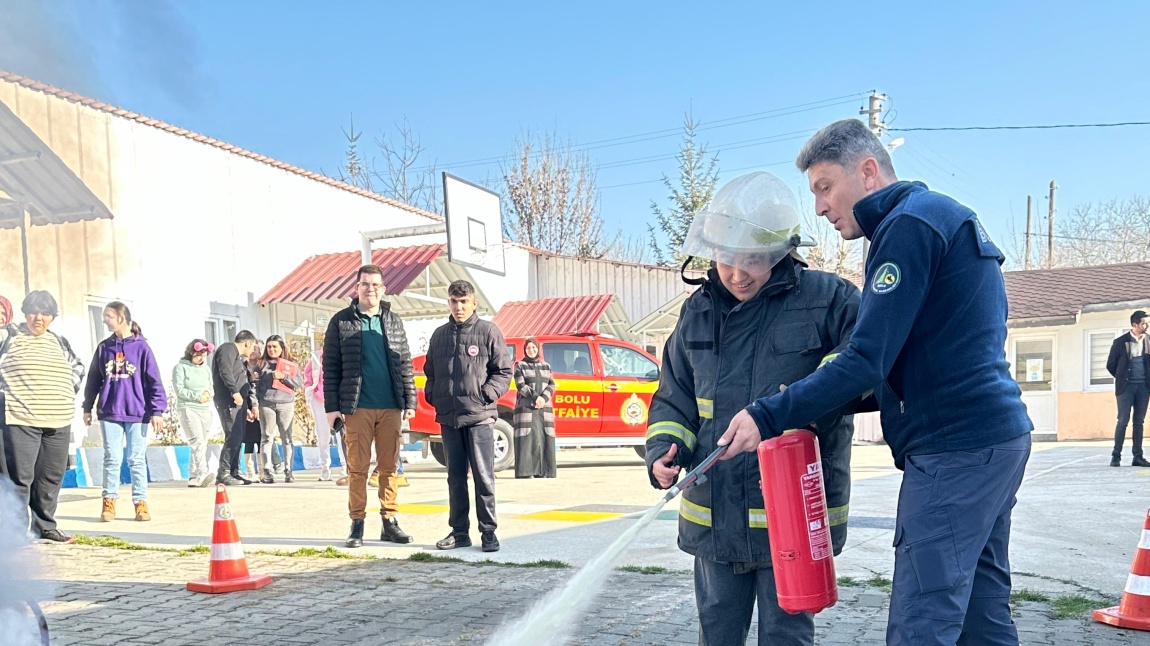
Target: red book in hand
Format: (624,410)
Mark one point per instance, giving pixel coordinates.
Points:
(289,368)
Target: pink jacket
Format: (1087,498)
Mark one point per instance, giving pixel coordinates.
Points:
(313,379)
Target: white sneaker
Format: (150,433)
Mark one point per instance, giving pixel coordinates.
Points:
(325,474)
(207,480)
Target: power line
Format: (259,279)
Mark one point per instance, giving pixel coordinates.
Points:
(724,170)
(734,145)
(704,126)
(1047,127)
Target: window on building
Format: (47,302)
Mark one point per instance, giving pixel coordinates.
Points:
(511,351)
(568,358)
(1097,350)
(96,321)
(625,362)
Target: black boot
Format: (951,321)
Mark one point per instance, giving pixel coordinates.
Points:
(1114,462)
(391,532)
(355,539)
(1140,462)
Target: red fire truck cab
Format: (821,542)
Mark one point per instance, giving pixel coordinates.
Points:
(604,389)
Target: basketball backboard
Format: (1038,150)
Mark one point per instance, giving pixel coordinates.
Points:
(474,226)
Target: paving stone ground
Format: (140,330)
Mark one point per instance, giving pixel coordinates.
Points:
(129,598)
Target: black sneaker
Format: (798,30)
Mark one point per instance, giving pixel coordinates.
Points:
(56,536)
(355,538)
(288,477)
(1139,462)
(392,533)
(1114,462)
(242,480)
(453,541)
(489,542)
(267,478)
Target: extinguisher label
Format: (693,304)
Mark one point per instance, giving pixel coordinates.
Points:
(815,504)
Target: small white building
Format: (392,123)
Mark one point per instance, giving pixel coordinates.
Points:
(1061,326)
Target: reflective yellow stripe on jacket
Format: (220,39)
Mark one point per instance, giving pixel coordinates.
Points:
(756,518)
(675,430)
(706,408)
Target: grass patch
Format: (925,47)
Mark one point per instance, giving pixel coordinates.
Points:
(1026,594)
(111,542)
(1074,605)
(427,557)
(849,582)
(328,552)
(646,569)
(878,581)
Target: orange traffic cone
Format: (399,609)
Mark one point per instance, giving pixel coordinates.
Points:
(228,571)
(1133,611)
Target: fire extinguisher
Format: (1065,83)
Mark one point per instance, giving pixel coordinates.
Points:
(797,522)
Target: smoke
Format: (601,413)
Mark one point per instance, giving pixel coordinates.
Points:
(79,45)
(21,579)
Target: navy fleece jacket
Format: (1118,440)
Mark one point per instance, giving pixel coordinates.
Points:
(930,337)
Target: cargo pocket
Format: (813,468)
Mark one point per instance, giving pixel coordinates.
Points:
(927,544)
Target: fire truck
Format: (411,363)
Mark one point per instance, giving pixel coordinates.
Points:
(603,393)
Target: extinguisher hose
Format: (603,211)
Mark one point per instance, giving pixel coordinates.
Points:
(695,476)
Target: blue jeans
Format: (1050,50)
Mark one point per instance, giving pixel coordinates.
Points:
(951,564)
(137,437)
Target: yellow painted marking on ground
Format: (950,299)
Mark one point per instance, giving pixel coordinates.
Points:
(571,516)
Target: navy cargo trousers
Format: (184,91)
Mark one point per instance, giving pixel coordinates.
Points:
(952,568)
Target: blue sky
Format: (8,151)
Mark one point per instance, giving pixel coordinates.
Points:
(282,78)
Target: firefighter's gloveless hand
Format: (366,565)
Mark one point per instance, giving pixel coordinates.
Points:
(742,435)
(664,469)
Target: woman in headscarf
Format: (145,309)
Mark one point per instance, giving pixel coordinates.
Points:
(40,376)
(534,417)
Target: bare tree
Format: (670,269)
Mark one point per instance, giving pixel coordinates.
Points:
(551,198)
(403,178)
(1116,231)
(698,176)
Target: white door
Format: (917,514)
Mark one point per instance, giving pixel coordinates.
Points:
(1032,358)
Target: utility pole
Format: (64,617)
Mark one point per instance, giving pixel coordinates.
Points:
(874,122)
(1050,217)
(1026,253)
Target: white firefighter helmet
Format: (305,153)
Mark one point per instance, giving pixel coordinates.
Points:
(752,223)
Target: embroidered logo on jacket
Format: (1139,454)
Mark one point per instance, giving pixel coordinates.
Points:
(886,278)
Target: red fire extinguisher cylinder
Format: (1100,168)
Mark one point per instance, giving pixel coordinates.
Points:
(797,522)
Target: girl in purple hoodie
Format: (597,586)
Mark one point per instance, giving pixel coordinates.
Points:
(126,380)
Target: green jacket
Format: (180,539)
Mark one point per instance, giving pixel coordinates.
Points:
(190,380)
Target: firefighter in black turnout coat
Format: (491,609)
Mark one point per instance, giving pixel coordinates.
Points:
(760,320)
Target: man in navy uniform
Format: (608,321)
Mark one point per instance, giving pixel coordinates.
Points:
(929,340)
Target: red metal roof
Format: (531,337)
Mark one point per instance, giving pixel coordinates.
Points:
(566,315)
(332,276)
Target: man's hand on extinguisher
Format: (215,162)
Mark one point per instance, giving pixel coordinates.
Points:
(665,470)
(742,435)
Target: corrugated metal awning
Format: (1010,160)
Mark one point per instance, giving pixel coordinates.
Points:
(33,177)
(331,277)
(596,314)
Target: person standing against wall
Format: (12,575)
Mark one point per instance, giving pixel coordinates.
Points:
(125,378)
(1129,364)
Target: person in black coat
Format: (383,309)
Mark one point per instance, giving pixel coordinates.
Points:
(233,389)
(467,370)
(1129,364)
